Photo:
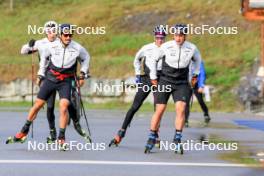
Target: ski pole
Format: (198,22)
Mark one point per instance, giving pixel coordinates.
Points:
(32,86)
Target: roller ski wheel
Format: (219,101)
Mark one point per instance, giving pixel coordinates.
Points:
(157,144)
(152,140)
(82,132)
(116,141)
(19,138)
(204,125)
(147,150)
(177,141)
(150,145)
(52,138)
(204,138)
(179,149)
(87,138)
(62,145)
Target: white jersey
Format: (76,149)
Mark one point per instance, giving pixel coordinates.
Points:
(64,57)
(39,46)
(148,51)
(180,56)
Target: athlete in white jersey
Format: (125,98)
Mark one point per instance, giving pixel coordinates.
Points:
(144,64)
(32,46)
(63,56)
(176,58)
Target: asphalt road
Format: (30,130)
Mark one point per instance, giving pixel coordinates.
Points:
(127,159)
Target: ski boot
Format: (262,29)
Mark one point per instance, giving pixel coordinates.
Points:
(186,124)
(207,119)
(53,136)
(62,145)
(120,134)
(177,142)
(18,138)
(157,144)
(204,138)
(79,129)
(151,141)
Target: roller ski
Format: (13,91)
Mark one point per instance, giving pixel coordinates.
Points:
(118,138)
(79,129)
(157,144)
(63,146)
(178,144)
(18,138)
(204,138)
(179,147)
(186,124)
(207,120)
(53,136)
(87,138)
(152,140)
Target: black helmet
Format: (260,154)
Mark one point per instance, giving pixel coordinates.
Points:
(159,31)
(66,29)
(181,29)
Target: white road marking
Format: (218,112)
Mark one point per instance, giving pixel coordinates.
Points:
(95,162)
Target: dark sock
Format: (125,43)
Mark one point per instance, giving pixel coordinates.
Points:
(154,133)
(62,133)
(25,128)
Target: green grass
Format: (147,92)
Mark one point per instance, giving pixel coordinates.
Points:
(227,57)
(113,105)
(119,105)
(8,104)
(241,155)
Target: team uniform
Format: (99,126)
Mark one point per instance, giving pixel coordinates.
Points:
(144,64)
(174,80)
(175,70)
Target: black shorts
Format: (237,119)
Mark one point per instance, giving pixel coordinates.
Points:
(179,92)
(48,87)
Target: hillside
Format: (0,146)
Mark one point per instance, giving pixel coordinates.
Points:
(128,26)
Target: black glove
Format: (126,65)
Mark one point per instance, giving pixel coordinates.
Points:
(31,43)
(39,80)
(194,80)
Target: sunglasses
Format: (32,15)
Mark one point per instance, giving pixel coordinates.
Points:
(160,38)
(67,35)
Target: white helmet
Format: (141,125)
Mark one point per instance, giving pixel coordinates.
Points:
(50,25)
